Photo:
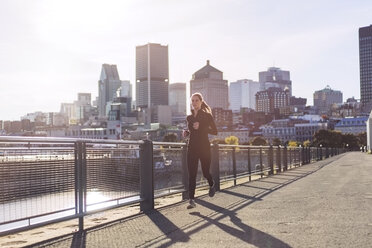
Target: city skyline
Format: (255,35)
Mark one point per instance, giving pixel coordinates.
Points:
(52,50)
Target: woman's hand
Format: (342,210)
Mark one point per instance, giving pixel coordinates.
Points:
(185,133)
(195,125)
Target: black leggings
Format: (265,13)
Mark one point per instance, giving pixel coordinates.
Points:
(193,158)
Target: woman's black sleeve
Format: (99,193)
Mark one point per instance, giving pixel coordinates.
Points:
(189,123)
(212,126)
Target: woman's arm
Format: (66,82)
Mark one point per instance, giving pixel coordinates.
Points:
(212,126)
(189,123)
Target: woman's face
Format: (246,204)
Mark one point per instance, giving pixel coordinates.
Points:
(196,102)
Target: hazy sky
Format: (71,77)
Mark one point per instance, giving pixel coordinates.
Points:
(52,49)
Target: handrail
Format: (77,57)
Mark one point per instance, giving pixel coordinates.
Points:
(66,140)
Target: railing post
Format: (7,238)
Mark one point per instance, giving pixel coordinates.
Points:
(234,165)
(80,182)
(147,176)
(261,165)
(185,173)
(307,151)
(321,153)
(278,160)
(303,162)
(271,160)
(317,154)
(215,166)
(249,164)
(285,158)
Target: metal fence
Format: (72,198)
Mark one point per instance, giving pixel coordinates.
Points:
(46,180)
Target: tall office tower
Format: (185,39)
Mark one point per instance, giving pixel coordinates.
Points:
(274,77)
(242,94)
(209,82)
(108,84)
(323,99)
(271,99)
(365,64)
(152,72)
(177,98)
(125,89)
(83,107)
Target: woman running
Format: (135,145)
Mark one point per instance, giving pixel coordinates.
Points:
(200,123)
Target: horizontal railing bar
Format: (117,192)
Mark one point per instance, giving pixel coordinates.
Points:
(36,216)
(19,229)
(113,206)
(171,188)
(112,200)
(169,143)
(170,193)
(66,140)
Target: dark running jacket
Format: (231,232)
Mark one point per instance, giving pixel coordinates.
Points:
(199,138)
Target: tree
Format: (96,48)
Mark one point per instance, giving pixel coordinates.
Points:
(277,142)
(292,143)
(350,141)
(362,139)
(218,141)
(307,143)
(328,138)
(232,140)
(170,137)
(259,141)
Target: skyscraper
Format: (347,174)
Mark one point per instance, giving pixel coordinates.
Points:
(275,77)
(243,94)
(152,73)
(365,63)
(209,82)
(323,99)
(108,84)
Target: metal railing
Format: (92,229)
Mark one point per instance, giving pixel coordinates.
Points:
(47,180)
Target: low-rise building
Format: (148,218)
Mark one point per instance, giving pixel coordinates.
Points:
(242,135)
(306,131)
(291,129)
(353,125)
(282,129)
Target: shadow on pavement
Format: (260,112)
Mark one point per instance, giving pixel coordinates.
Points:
(168,227)
(79,240)
(244,232)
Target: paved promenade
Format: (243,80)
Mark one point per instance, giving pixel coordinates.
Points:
(325,204)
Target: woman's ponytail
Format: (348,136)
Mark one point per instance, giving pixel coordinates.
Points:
(205,107)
